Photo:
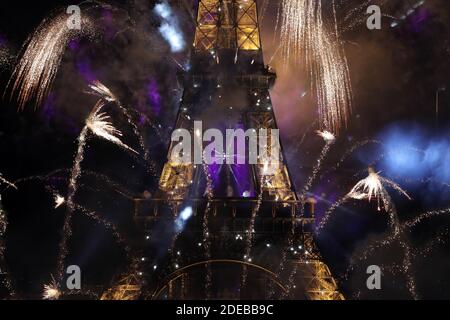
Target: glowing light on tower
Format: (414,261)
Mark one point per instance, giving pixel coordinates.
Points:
(184,216)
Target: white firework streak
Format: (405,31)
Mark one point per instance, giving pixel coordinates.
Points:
(10,184)
(106,94)
(59,200)
(99,124)
(36,70)
(426,215)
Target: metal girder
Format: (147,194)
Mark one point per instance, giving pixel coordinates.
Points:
(227,24)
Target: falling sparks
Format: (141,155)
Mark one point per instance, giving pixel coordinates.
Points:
(304,34)
(103,91)
(36,70)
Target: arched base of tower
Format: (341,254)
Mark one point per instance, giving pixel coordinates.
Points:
(234,280)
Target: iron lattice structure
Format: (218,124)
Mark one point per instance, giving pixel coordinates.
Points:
(246,237)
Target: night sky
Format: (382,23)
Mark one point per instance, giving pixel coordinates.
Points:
(396,73)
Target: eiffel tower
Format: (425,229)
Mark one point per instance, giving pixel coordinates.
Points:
(226,231)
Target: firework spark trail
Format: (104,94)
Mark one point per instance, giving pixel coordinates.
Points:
(428,248)
(104,92)
(397,234)
(263,10)
(274,55)
(305,133)
(7,279)
(368,251)
(59,200)
(303,34)
(357,15)
(405,268)
(430,214)
(6,57)
(251,231)
(72,189)
(373,187)
(352,149)
(284,254)
(395,186)
(329,212)
(206,235)
(423,180)
(45,177)
(100,126)
(317,167)
(407,265)
(97,123)
(53,175)
(9,184)
(51,291)
(36,70)
(329,139)
(120,239)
